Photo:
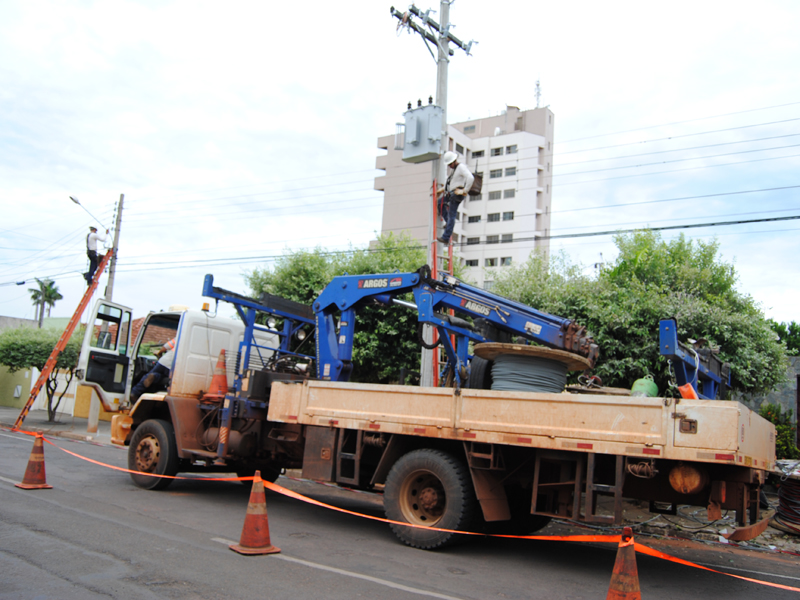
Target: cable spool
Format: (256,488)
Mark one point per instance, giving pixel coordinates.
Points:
(530,368)
(514,373)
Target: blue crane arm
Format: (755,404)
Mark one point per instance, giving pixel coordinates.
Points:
(699,366)
(492,316)
(295,316)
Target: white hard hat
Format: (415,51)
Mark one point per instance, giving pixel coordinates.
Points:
(450,157)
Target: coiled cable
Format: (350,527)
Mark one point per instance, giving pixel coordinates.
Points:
(516,373)
(788,511)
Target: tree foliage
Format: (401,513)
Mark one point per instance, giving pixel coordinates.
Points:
(785,445)
(386,337)
(44,296)
(652,279)
(26,348)
(789,334)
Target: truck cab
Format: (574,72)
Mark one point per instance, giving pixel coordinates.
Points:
(111,363)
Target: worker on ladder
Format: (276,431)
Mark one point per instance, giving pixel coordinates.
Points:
(91,252)
(459,181)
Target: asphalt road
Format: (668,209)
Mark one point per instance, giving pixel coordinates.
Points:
(96,535)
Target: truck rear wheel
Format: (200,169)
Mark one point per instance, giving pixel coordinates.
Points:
(153,450)
(431,488)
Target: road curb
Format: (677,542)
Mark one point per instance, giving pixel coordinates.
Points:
(80,437)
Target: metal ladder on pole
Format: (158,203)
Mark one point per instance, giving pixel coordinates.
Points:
(62,341)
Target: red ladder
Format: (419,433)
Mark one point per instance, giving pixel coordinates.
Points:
(62,341)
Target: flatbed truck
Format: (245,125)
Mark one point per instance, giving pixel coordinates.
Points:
(461,457)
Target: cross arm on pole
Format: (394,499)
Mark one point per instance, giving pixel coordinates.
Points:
(425,34)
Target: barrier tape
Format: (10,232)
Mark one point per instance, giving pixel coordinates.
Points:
(652,552)
(561,538)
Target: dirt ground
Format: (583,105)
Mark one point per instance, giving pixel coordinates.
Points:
(691,524)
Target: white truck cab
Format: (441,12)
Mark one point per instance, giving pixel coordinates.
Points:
(111,365)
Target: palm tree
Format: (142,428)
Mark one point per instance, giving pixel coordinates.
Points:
(46,295)
(50,295)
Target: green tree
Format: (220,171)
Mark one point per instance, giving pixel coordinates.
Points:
(650,280)
(44,296)
(386,337)
(26,348)
(789,334)
(786,430)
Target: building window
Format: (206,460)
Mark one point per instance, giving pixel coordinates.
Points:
(476,219)
(474,198)
(509,194)
(495,195)
(511,171)
(508,216)
(473,241)
(548,188)
(469,128)
(505,261)
(548,167)
(493,217)
(459,148)
(511,149)
(490,262)
(497,152)
(495,173)
(492,239)
(479,153)
(508,237)
(472,262)
(488,285)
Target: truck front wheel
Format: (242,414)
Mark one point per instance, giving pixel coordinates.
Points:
(430,488)
(153,450)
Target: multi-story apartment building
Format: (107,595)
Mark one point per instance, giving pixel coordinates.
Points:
(511,217)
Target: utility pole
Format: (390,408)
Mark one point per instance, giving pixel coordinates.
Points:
(439,174)
(112,268)
(94,404)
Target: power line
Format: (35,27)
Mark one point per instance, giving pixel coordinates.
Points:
(581,162)
(743,162)
(788,187)
(677,137)
(679,122)
(677,160)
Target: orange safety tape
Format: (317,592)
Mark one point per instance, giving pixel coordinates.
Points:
(651,552)
(563,538)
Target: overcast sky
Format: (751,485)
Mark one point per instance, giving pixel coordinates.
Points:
(239,130)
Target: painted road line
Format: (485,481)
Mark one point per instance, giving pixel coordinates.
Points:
(384,582)
(724,568)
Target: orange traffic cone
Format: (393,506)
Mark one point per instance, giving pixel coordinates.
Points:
(255,533)
(34,475)
(625,577)
(219,383)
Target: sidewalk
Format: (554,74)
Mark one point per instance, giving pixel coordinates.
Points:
(65,426)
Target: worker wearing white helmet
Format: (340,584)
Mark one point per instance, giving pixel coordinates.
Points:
(455,190)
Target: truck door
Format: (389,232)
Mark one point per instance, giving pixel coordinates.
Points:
(105,362)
